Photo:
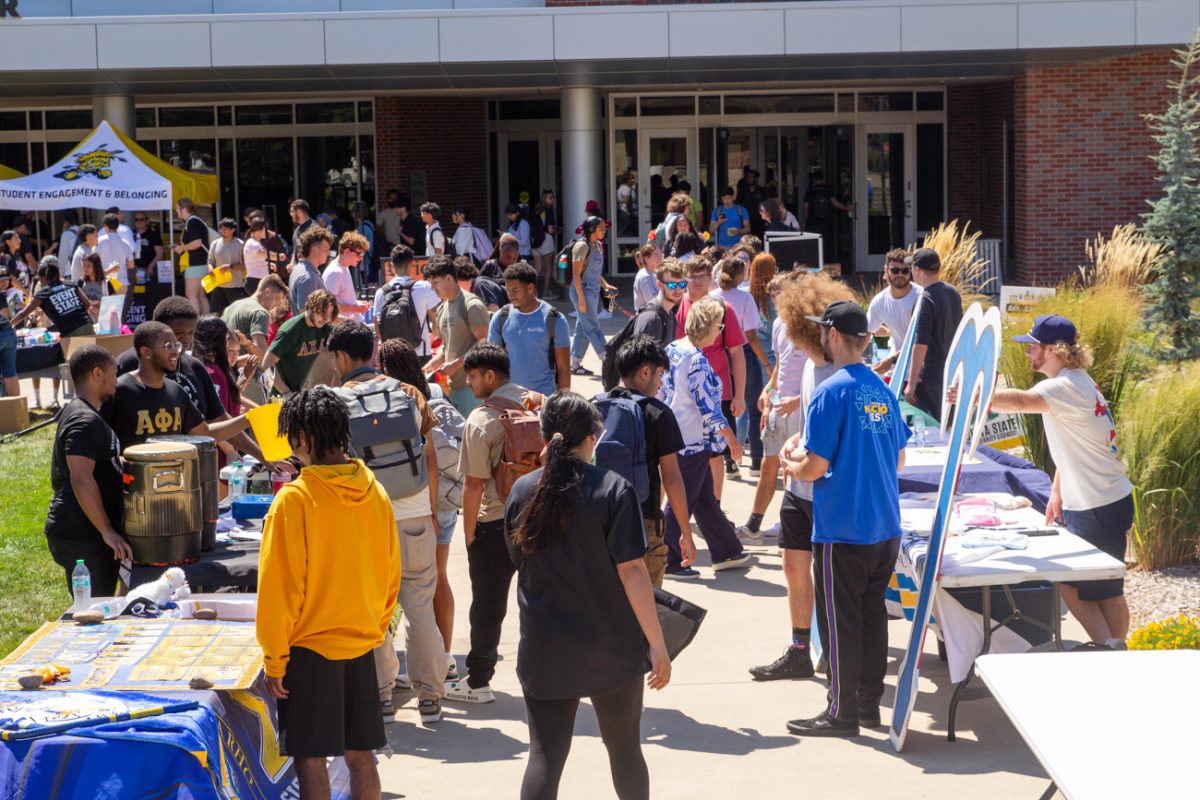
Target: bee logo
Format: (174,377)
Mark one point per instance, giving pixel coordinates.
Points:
(96,163)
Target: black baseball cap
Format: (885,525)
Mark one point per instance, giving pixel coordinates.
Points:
(844,316)
(926,258)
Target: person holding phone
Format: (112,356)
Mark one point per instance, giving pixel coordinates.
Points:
(730,222)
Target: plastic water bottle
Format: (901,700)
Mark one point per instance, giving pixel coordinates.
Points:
(237,481)
(918,429)
(81,587)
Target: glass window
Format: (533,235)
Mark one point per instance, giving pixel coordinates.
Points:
(710,104)
(187,117)
(625,107)
(193,155)
(366,111)
(702,197)
(328,171)
(491,109)
(226,181)
(263,115)
(317,113)
(778,103)
(38,161)
(55,150)
(668,106)
(69,119)
(366,161)
(529,109)
(264,170)
(224,115)
(625,169)
(12,120)
(737,155)
(15,155)
(890,101)
(35,120)
(931,175)
(149,145)
(146,118)
(930,101)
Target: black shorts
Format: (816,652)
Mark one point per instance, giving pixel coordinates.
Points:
(332,706)
(795,523)
(1107,529)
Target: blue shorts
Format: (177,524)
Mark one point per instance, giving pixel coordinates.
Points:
(1107,529)
(446,524)
(8,354)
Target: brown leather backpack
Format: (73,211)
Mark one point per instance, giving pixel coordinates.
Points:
(523,443)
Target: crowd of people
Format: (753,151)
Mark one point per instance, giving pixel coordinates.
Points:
(586,502)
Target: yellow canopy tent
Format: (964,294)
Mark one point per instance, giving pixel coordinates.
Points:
(7,173)
(202,189)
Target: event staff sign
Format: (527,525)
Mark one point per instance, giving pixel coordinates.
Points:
(971,368)
(135,654)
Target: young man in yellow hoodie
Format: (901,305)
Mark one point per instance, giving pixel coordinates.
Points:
(328,579)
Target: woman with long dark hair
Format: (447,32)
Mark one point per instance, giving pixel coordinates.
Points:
(587,607)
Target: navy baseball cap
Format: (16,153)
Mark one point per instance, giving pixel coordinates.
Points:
(1049,329)
(844,316)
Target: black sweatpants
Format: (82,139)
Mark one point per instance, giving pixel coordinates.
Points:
(103,569)
(491,569)
(850,583)
(552,723)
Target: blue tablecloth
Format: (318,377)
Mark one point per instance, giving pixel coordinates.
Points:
(996,471)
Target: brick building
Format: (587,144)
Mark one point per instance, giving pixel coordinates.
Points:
(1026,117)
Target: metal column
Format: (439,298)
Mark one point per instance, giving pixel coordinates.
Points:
(582,155)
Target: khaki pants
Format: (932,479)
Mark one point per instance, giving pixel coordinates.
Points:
(423,647)
(656,550)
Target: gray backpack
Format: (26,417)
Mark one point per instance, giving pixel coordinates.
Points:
(385,432)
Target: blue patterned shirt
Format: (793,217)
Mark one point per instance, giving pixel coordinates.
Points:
(695,398)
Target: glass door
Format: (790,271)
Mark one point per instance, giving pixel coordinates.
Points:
(885,193)
(668,156)
(529,163)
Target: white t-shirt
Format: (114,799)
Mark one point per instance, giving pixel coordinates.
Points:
(893,312)
(255,256)
(645,288)
(813,377)
(112,247)
(425,299)
(744,307)
(789,360)
(340,283)
(434,237)
(126,234)
(1083,441)
(464,239)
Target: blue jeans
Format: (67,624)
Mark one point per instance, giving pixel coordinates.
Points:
(587,326)
(754,387)
(446,523)
(8,354)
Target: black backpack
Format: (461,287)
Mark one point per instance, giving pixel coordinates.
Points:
(448,248)
(398,319)
(608,372)
(551,323)
(537,231)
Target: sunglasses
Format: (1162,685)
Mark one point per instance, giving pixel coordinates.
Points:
(173,347)
(899,270)
(673,285)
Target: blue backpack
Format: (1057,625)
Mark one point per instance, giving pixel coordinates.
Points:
(622,447)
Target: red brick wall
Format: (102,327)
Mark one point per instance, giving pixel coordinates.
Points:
(1081,161)
(444,136)
(975,118)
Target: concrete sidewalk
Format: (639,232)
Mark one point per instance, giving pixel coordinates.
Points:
(714,732)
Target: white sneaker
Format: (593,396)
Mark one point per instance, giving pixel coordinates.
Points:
(604,314)
(749,537)
(452,670)
(403,682)
(460,692)
(736,562)
(773,531)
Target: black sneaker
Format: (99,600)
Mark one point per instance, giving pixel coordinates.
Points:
(794,663)
(731,467)
(868,717)
(581,370)
(823,725)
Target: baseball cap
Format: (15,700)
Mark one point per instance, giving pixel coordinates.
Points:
(1049,329)
(926,258)
(844,316)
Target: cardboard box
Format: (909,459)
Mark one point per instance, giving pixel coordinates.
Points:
(14,414)
(113,344)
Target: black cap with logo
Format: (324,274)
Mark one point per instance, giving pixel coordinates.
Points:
(845,317)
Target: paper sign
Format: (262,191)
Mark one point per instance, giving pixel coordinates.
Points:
(109,321)
(166,271)
(1018,299)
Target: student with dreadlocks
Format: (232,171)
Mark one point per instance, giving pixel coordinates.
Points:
(328,579)
(587,609)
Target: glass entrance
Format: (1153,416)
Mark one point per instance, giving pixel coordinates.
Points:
(529,164)
(886,193)
(669,159)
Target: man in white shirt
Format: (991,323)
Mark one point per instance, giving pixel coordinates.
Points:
(424,299)
(337,277)
(64,248)
(1091,492)
(891,311)
(123,230)
(114,250)
(435,239)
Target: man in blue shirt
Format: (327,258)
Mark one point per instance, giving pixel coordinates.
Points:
(855,444)
(534,333)
(730,222)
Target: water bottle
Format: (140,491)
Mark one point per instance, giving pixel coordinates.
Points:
(81,587)
(918,429)
(237,481)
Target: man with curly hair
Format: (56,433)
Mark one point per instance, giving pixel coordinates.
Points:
(1091,493)
(300,341)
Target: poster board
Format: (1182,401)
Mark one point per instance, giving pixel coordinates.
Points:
(1017,300)
(416,270)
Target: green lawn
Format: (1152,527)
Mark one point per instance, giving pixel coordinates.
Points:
(32,587)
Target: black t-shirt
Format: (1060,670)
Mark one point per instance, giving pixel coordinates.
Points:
(940,313)
(489,292)
(83,432)
(63,306)
(412,226)
(492,269)
(819,199)
(579,635)
(137,412)
(663,438)
(192,376)
(656,322)
(301,228)
(195,229)
(145,257)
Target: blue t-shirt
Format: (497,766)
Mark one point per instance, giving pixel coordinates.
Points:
(854,423)
(526,337)
(735,217)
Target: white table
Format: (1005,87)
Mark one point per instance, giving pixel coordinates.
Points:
(1055,559)
(1105,725)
